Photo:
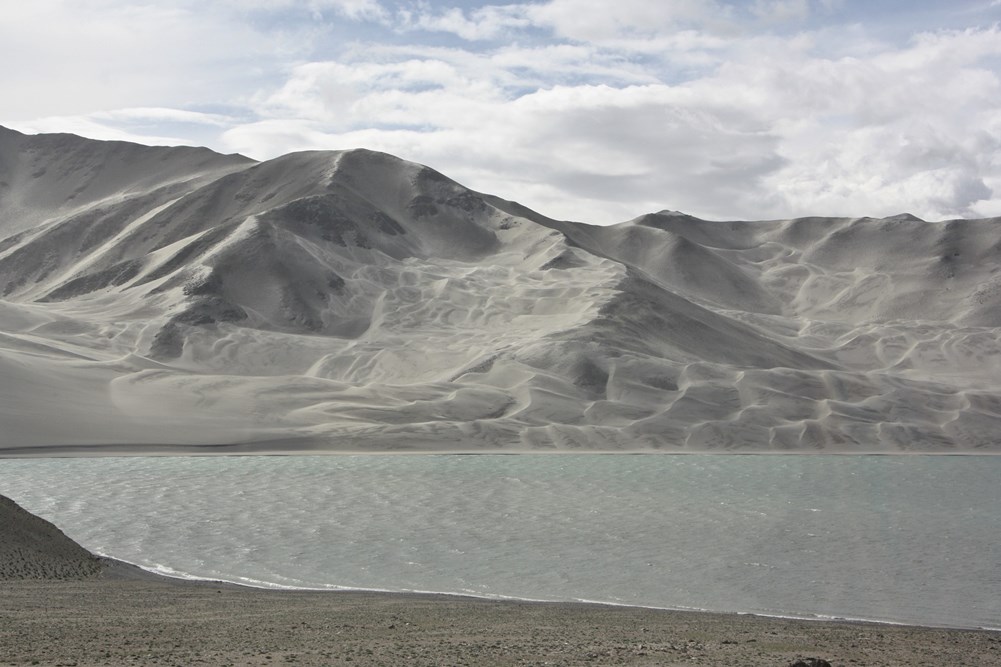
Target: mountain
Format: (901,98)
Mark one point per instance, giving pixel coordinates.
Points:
(173,299)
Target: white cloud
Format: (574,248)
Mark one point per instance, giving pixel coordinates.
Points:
(604,153)
(137,125)
(591,21)
(598,20)
(354,9)
(371,10)
(162,115)
(481,23)
(779,11)
(93,129)
(776,130)
(905,130)
(579,108)
(80,57)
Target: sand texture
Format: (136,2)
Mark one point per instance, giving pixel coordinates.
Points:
(32,548)
(172,299)
(134,622)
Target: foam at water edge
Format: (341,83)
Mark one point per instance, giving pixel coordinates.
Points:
(166,571)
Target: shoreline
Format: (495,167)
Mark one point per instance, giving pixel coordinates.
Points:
(120,569)
(900,606)
(129,615)
(85,610)
(248,450)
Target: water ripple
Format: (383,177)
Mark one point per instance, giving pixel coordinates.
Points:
(905,539)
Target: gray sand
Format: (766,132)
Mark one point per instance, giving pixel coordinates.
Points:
(157,300)
(32,548)
(121,622)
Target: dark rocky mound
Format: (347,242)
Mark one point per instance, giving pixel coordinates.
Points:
(32,548)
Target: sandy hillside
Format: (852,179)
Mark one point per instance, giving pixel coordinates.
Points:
(160,299)
(32,548)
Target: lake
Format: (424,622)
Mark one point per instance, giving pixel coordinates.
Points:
(905,539)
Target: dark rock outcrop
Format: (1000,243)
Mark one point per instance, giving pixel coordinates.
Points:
(810,662)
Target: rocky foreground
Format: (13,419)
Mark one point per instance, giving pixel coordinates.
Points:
(123,622)
(62,606)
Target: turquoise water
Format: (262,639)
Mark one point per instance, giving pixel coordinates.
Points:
(910,539)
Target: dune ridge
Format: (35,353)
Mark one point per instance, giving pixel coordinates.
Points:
(173,299)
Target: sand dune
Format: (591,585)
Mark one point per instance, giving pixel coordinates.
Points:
(174,299)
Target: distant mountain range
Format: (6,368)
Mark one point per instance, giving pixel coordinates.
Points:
(174,299)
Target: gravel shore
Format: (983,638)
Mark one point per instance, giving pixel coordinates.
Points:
(125,621)
(59,605)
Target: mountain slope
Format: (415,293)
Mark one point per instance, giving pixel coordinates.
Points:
(33,548)
(350,300)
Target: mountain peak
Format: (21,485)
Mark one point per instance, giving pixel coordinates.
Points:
(182,300)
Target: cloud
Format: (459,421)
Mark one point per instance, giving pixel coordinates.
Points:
(596,20)
(591,21)
(79,57)
(354,9)
(624,24)
(482,23)
(579,108)
(94,129)
(605,153)
(779,11)
(137,125)
(776,129)
(371,10)
(911,129)
(162,115)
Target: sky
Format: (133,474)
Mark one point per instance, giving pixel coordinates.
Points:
(590,110)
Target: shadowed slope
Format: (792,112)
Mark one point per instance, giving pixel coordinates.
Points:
(47,175)
(32,548)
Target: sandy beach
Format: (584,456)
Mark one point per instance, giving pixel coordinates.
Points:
(129,621)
